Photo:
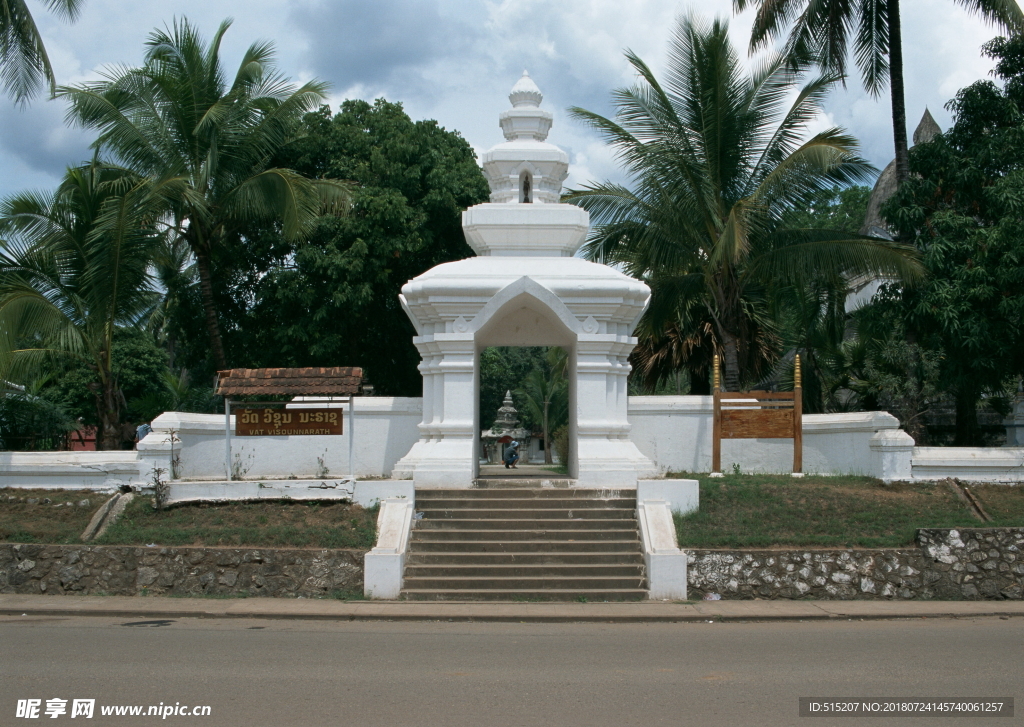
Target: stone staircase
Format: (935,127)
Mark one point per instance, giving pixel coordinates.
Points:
(507,541)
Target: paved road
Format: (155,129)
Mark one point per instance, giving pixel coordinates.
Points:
(281,673)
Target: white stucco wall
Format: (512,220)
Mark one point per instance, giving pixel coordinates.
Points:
(103,471)
(675,432)
(973,464)
(384,430)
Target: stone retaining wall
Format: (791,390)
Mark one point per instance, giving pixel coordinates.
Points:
(971,564)
(188,571)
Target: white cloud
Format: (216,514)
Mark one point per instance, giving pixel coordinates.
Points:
(454,60)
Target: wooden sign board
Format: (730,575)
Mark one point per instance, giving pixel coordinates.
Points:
(757,415)
(287,422)
(756,423)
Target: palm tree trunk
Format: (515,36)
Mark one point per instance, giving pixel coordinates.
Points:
(731,375)
(899,106)
(967,433)
(108,413)
(212,325)
(547,438)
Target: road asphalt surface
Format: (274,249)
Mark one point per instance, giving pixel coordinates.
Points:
(278,672)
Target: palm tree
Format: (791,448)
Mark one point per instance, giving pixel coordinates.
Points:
(546,395)
(24,64)
(74,267)
(716,158)
(174,268)
(822,30)
(178,118)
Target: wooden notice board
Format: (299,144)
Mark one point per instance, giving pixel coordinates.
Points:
(758,415)
(287,422)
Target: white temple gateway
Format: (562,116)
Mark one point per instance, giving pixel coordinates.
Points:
(525,288)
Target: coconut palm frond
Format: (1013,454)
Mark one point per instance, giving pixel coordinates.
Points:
(716,156)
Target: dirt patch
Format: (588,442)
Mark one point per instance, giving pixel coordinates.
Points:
(327,524)
(46,516)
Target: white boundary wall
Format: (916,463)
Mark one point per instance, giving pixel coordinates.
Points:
(384,429)
(673,431)
(102,471)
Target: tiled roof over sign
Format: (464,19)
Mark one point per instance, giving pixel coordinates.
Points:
(310,381)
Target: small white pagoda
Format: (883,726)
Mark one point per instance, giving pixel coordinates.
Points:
(525,288)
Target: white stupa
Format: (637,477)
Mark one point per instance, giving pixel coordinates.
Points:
(525,288)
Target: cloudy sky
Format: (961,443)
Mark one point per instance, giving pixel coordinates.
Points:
(455,61)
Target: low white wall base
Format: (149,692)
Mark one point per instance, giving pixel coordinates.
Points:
(973,464)
(98,471)
(666,563)
(447,462)
(366,494)
(385,564)
(605,462)
(682,496)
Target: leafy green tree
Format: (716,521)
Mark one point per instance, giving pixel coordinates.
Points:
(74,268)
(206,143)
(822,30)
(716,160)
(964,209)
(812,316)
(30,422)
(332,299)
(173,392)
(24,63)
(503,368)
(137,365)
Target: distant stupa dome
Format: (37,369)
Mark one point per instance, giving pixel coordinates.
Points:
(885,186)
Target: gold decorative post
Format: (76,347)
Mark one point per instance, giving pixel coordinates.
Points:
(716,420)
(798,420)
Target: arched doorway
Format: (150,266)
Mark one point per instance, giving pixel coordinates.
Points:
(524,320)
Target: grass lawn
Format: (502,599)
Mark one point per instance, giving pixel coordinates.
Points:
(268,524)
(776,510)
(1005,505)
(43,516)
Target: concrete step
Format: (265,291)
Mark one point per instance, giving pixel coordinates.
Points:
(535,533)
(532,524)
(537,583)
(555,481)
(519,594)
(507,541)
(492,571)
(524,503)
(525,493)
(540,545)
(533,513)
(559,557)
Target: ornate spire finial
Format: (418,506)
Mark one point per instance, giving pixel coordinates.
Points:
(797,378)
(716,379)
(525,93)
